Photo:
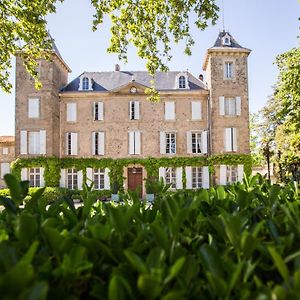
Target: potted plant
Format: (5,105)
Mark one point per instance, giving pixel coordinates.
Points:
(150,183)
(115,190)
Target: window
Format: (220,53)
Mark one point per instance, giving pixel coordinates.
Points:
(71,112)
(182,82)
(33,108)
(134,110)
(230,139)
(85,83)
(5,151)
(230,106)
(72,179)
(34,177)
(134,142)
(226,40)
(71,143)
(171,143)
(5,169)
(36,142)
(169,110)
(196,110)
(170,177)
(98,111)
(231,174)
(98,143)
(196,177)
(99,181)
(197,142)
(228,70)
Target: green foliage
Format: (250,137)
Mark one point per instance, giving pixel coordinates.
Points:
(149,26)
(233,242)
(53,166)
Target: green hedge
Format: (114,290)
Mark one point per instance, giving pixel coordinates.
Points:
(234,242)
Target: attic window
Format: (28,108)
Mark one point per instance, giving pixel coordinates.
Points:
(182,82)
(85,83)
(226,40)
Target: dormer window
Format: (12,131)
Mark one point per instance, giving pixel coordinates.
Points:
(85,83)
(182,83)
(226,40)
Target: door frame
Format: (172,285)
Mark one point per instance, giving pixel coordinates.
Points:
(144,176)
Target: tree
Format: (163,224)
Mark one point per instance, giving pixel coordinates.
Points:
(288,86)
(150,25)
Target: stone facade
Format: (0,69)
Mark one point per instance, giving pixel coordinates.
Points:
(7,155)
(192,119)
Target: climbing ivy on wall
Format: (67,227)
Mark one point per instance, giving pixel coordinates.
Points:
(53,165)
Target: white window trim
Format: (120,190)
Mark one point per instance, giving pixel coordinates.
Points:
(71,112)
(134,142)
(224,38)
(74,143)
(170,110)
(135,113)
(100,106)
(5,151)
(222,106)
(226,61)
(185,74)
(101,143)
(80,88)
(33,108)
(230,139)
(196,110)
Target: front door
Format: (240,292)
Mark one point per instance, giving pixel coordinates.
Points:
(135,180)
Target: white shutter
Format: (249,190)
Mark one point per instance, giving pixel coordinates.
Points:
(179,178)
(222,105)
(62,180)
(42,141)
(161,173)
(238,105)
(234,139)
(74,143)
(71,112)
(100,111)
(188,176)
(137,141)
(222,175)
(227,139)
(5,169)
(33,108)
(42,179)
(24,174)
(162,137)
(80,180)
(189,142)
(131,142)
(137,110)
(204,141)
(4,150)
(23,142)
(205,177)
(93,143)
(196,110)
(170,110)
(101,143)
(34,142)
(89,175)
(240,173)
(106,179)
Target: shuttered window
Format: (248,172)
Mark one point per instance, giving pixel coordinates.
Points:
(230,139)
(170,110)
(98,111)
(33,108)
(34,177)
(230,106)
(71,143)
(99,179)
(134,110)
(98,143)
(134,142)
(71,112)
(170,142)
(5,169)
(196,110)
(72,179)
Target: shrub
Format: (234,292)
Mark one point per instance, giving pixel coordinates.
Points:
(234,242)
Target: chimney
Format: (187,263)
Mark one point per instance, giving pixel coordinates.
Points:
(201,77)
(117,68)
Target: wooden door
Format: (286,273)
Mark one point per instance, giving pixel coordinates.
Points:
(135,180)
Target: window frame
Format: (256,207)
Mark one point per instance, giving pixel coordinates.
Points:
(170,139)
(85,83)
(32,111)
(170,177)
(34,176)
(197,181)
(72,175)
(99,182)
(196,142)
(182,82)
(231,174)
(228,69)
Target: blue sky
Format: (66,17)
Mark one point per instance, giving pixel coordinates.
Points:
(267,27)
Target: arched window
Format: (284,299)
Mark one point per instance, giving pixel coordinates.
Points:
(85,83)
(182,82)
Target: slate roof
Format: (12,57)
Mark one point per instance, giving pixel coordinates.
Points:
(233,42)
(109,81)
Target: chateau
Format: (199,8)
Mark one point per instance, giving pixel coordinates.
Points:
(100,127)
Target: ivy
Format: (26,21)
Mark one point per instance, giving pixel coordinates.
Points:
(53,165)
